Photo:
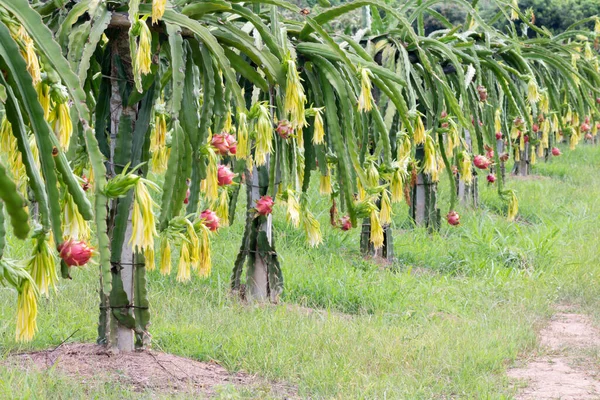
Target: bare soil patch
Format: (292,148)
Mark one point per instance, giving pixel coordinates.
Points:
(564,370)
(153,371)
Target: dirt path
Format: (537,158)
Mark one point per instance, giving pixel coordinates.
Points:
(565,369)
(149,371)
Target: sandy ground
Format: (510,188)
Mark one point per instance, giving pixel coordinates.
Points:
(566,369)
(159,373)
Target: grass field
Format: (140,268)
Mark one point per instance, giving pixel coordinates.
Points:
(444,321)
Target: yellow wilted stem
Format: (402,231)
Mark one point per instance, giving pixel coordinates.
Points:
(243,147)
(143,57)
(6,137)
(513,13)
(544,103)
(212,181)
(165,256)
(464,167)
(205,263)
(532,157)
(60,120)
(325,183)
(194,244)
(385,215)
(158,9)
(365,100)
(299,139)
(295,99)
(311,227)
(28,53)
(533,93)
(403,147)
(573,140)
(26,313)
(545,133)
(223,208)
(228,124)
(361,191)
(150,263)
(588,54)
(452,139)
(160,159)
(419,131)
(42,266)
(429,160)
(396,186)
(498,120)
(43,92)
(293,209)
(522,142)
(144,227)
(318,129)
(376,230)
(540,151)
(372,174)
(264,135)
(513,205)
(158,138)
(183,269)
(74,226)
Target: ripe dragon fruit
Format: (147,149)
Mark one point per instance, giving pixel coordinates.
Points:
(224,175)
(284,129)
(264,205)
(556,151)
(453,218)
(75,252)
(481,162)
(219,142)
(232,142)
(345,223)
(210,219)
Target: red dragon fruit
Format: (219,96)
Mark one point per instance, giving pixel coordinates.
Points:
(224,175)
(86,183)
(556,151)
(75,252)
(210,219)
(481,162)
(232,143)
(264,205)
(219,142)
(491,178)
(453,218)
(284,129)
(345,223)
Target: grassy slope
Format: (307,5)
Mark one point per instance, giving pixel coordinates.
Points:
(444,321)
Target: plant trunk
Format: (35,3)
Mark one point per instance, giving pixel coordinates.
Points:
(117,322)
(258,270)
(423,207)
(386,251)
(500,169)
(264,281)
(125,335)
(521,167)
(468,192)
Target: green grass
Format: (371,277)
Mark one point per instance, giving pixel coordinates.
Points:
(445,320)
